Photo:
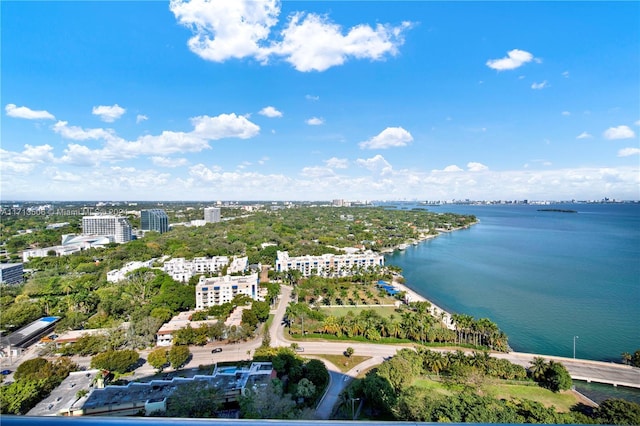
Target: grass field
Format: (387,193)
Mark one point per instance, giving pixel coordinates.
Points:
(343,363)
(384,311)
(562,401)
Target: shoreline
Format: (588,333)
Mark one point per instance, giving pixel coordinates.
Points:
(413,296)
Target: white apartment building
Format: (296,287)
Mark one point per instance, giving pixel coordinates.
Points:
(329,265)
(121,274)
(182,270)
(218,290)
(116,226)
(211,214)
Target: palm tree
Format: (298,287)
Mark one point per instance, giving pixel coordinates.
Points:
(538,367)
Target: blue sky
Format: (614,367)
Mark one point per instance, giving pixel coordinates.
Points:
(266,100)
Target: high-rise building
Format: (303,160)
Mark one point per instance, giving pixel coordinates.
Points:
(154,220)
(212,214)
(11,273)
(117,227)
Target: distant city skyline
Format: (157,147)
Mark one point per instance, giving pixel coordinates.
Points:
(266,100)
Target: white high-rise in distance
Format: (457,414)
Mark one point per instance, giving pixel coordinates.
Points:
(115,227)
(211,214)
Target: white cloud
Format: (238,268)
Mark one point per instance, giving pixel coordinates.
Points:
(23,112)
(166,143)
(390,137)
(270,112)
(80,134)
(108,114)
(566,113)
(538,86)
(140,118)
(637,123)
(312,98)
(620,132)
(317,172)
(337,163)
(450,169)
(476,167)
(242,29)
(169,162)
(314,121)
(515,58)
(224,126)
(312,43)
(584,135)
(376,164)
(565,74)
(80,155)
(627,152)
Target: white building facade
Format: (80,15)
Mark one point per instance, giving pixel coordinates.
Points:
(182,270)
(212,214)
(218,290)
(121,274)
(329,265)
(117,226)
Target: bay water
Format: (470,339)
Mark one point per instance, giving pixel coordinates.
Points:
(548,279)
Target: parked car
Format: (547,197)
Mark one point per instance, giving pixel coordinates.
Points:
(299,349)
(5,372)
(216,350)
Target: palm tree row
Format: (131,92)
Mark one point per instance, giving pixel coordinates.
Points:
(479,332)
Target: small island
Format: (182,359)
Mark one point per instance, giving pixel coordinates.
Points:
(558,210)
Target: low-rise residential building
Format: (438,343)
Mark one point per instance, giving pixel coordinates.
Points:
(147,398)
(182,270)
(329,265)
(70,244)
(164,336)
(121,274)
(13,344)
(218,290)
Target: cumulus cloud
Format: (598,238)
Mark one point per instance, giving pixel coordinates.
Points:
(310,42)
(566,113)
(515,58)
(312,98)
(584,135)
(390,137)
(23,112)
(169,162)
(224,126)
(317,172)
(270,112)
(538,86)
(337,163)
(376,164)
(565,74)
(451,169)
(628,152)
(140,118)
(107,113)
(314,121)
(476,167)
(80,134)
(80,155)
(619,132)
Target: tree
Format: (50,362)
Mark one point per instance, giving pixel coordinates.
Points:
(178,355)
(267,403)
(317,372)
(349,351)
(618,412)
(305,389)
(32,368)
(158,358)
(195,399)
(556,377)
(116,361)
(537,368)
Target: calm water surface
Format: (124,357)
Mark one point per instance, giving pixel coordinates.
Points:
(543,277)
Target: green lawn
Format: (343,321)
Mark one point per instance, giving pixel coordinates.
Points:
(384,311)
(562,401)
(342,362)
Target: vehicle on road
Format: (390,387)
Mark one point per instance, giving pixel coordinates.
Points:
(5,372)
(216,350)
(299,349)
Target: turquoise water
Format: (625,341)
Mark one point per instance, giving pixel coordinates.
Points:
(543,277)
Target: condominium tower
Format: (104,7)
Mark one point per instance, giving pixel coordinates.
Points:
(115,227)
(154,220)
(211,214)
